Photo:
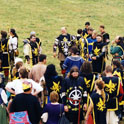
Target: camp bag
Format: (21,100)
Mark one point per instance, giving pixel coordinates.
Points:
(63,119)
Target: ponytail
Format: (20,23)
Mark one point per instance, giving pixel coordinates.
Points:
(16,35)
(14,70)
(101,86)
(14,32)
(103,95)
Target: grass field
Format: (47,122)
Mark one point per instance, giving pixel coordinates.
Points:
(46,17)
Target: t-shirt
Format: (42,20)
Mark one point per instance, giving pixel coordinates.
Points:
(29,103)
(54,113)
(37,72)
(17,86)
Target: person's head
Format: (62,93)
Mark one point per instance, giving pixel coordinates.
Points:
(13,33)
(18,63)
(87,24)
(99,86)
(33,33)
(119,40)
(74,50)
(64,30)
(99,38)
(42,58)
(86,68)
(101,28)
(23,72)
(117,64)
(32,38)
(27,87)
(79,31)
(50,71)
(103,74)
(54,97)
(108,69)
(3,34)
(94,34)
(89,30)
(74,72)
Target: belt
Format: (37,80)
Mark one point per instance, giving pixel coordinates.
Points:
(5,52)
(78,108)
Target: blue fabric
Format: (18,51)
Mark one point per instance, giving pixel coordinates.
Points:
(90,45)
(48,99)
(122,62)
(72,61)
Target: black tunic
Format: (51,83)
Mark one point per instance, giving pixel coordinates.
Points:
(99,63)
(4,53)
(29,103)
(112,86)
(75,89)
(63,42)
(34,48)
(99,108)
(105,36)
(54,83)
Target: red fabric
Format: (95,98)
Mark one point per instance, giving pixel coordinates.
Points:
(90,119)
(121,92)
(78,108)
(63,71)
(6,72)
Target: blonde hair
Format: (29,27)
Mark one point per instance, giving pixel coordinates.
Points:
(101,86)
(54,97)
(108,68)
(95,32)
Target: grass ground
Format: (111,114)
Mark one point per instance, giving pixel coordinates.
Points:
(46,17)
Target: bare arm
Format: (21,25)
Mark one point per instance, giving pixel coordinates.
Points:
(10,90)
(89,110)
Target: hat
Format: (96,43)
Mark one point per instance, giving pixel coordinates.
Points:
(32,33)
(26,85)
(18,60)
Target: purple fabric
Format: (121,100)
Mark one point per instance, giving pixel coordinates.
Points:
(53,112)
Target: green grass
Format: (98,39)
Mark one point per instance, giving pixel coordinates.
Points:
(46,17)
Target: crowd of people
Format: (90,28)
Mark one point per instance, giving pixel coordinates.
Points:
(87,90)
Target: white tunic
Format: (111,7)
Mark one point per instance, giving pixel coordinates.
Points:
(17,85)
(13,42)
